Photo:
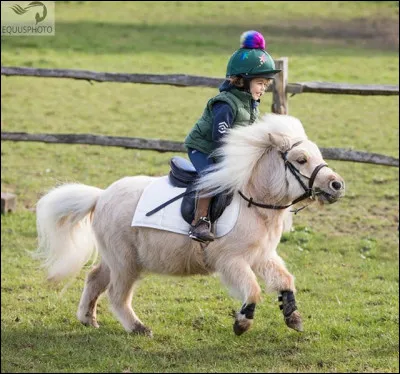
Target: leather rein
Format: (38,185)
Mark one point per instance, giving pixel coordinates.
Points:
(308,191)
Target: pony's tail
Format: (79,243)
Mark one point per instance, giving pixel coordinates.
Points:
(65,236)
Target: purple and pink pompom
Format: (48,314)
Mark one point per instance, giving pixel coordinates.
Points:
(252,40)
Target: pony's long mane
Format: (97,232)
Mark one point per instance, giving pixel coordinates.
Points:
(243,147)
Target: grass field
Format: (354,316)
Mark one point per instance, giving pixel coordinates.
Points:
(344,257)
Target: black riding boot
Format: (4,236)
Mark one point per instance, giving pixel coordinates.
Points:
(200,229)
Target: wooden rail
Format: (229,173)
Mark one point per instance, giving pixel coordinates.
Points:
(183,80)
(172,146)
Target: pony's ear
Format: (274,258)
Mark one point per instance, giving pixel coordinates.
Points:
(279,141)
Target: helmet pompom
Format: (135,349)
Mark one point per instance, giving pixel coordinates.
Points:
(252,40)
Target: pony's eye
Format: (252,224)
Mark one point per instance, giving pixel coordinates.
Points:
(302,161)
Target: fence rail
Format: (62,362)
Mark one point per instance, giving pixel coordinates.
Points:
(173,146)
(183,80)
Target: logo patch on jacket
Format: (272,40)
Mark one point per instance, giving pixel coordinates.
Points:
(222,127)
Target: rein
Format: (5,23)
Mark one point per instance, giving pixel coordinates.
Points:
(308,191)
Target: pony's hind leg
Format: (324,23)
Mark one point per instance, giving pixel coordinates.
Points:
(96,283)
(242,282)
(120,293)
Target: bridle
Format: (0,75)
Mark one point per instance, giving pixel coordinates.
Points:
(308,191)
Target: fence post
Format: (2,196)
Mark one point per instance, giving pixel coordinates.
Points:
(280,103)
(8,202)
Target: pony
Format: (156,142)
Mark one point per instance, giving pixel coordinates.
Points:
(270,164)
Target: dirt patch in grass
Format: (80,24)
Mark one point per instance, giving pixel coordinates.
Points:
(379,33)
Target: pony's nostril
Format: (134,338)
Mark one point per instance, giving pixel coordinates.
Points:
(336,185)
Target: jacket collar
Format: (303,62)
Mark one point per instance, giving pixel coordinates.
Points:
(242,95)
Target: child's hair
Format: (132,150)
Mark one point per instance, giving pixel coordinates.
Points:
(240,82)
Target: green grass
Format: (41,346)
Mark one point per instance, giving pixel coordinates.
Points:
(344,257)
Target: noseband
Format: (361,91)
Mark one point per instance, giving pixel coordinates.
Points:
(308,191)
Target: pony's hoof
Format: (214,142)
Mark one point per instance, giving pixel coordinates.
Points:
(95,324)
(89,321)
(142,330)
(241,326)
(91,324)
(148,333)
(294,321)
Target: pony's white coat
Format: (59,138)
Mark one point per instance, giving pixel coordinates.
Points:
(75,220)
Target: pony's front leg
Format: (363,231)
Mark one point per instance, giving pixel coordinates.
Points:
(242,282)
(277,278)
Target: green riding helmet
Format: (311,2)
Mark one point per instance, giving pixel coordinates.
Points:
(251,63)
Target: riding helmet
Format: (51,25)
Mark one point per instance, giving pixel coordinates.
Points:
(251,60)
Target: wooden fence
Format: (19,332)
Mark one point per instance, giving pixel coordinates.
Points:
(182,80)
(280,90)
(173,146)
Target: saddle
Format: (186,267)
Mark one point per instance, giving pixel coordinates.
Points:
(183,175)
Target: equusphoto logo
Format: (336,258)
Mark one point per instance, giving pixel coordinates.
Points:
(27,18)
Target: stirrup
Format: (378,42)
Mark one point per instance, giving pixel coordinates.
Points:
(193,235)
(203,219)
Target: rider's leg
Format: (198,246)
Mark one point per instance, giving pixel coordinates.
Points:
(201,225)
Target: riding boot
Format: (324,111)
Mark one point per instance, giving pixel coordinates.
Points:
(201,226)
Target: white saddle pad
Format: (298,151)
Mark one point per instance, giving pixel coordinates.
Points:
(169,218)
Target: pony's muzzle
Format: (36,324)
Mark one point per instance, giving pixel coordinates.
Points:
(334,191)
(336,185)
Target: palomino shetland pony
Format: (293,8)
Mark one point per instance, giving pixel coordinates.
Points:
(270,164)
